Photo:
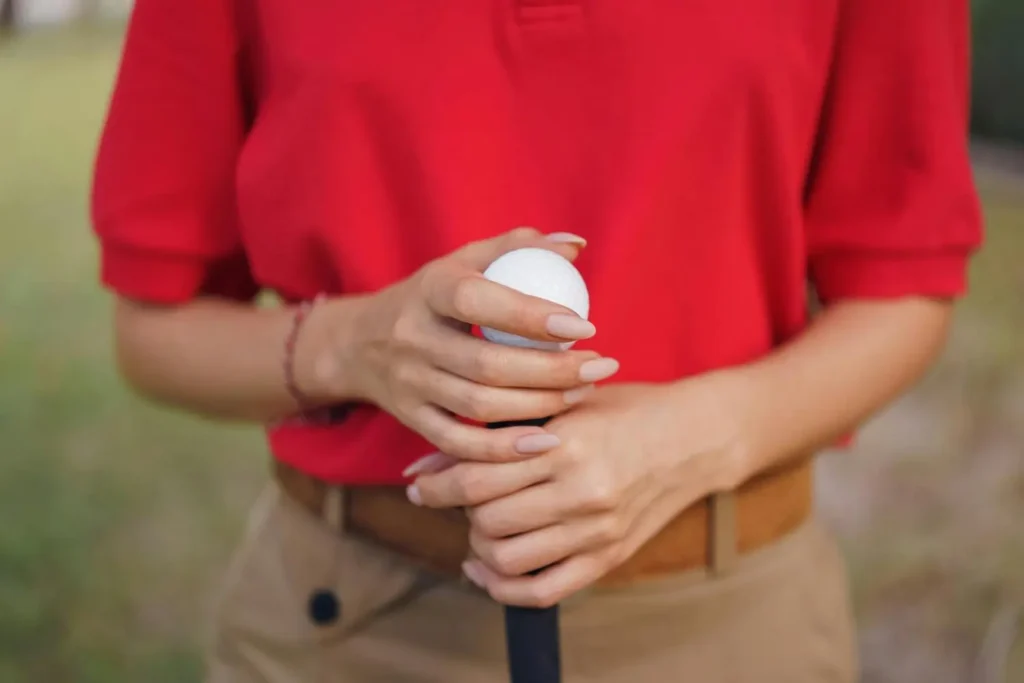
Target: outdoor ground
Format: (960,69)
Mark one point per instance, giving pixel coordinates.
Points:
(118,516)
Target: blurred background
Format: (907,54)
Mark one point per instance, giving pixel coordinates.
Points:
(118,517)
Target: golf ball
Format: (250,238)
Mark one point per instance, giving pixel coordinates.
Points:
(545,275)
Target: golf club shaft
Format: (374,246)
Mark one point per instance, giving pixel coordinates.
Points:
(531,634)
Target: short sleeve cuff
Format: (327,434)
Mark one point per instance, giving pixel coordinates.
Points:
(159,277)
(870,275)
(148,275)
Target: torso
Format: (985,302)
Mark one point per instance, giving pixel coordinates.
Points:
(674,136)
(718,157)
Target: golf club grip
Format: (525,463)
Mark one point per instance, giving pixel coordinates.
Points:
(532,640)
(531,634)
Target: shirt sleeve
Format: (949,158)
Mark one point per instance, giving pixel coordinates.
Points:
(163,203)
(891,207)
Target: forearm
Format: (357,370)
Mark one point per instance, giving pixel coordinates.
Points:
(855,358)
(223,359)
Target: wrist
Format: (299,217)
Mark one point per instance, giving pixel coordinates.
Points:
(718,430)
(325,365)
(753,396)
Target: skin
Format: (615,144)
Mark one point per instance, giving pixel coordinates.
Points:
(406,349)
(580,495)
(634,456)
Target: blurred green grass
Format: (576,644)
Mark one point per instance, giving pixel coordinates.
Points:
(119,516)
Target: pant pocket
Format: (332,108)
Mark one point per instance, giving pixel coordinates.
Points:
(293,593)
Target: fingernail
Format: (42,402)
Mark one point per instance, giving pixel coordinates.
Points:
(598,369)
(426,464)
(412,492)
(567,238)
(576,395)
(536,443)
(570,326)
(473,574)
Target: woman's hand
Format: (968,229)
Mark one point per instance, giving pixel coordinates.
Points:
(631,458)
(413,355)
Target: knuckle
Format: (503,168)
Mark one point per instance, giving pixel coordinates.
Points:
(564,370)
(543,596)
(409,410)
(447,440)
(523,234)
(570,454)
(485,523)
(430,273)
(499,594)
(483,405)
(465,295)
(503,560)
(426,281)
(425,276)
(600,492)
(474,445)
(472,403)
(468,482)
(488,365)
(552,402)
(405,330)
(610,530)
(496,449)
(525,320)
(459,403)
(405,374)
(478,366)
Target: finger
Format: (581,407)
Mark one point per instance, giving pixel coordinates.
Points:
(428,464)
(473,483)
(545,589)
(491,404)
(534,508)
(478,255)
(470,298)
(504,366)
(529,552)
(469,442)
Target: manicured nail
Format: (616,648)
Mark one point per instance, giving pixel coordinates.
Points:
(574,396)
(473,574)
(570,326)
(536,443)
(598,369)
(428,463)
(567,238)
(413,494)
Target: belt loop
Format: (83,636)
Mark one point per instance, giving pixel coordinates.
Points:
(333,513)
(722,536)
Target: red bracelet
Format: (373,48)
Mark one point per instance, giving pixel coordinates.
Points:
(302,312)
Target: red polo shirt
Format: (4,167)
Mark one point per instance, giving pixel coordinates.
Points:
(717,155)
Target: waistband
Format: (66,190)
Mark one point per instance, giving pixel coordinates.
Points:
(712,533)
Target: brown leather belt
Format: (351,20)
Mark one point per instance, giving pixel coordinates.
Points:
(758,513)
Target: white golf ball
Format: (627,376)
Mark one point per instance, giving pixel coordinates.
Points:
(545,275)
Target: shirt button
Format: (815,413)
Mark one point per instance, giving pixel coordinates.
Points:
(324,607)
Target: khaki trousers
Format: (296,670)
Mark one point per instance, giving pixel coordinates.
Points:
(779,615)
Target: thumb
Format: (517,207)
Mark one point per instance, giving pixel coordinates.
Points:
(479,255)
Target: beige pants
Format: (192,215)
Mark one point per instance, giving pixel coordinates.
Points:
(779,616)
